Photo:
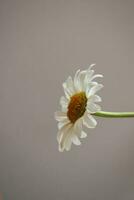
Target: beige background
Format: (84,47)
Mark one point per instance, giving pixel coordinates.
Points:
(41,43)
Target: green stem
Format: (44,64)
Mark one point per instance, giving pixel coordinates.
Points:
(114,114)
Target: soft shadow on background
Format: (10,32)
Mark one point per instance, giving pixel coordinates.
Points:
(41,43)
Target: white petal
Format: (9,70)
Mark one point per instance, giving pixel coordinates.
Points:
(75,139)
(92,65)
(87,90)
(88,87)
(78,127)
(60,116)
(89,121)
(88,76)
(81,78)
(63,134)
(94,98)
(64,103)
(61,149)
(61,131)
(93,108)
(68,143)
(76,82)
(93,83)
(63,100)
(66,90)
(70,85)
(64,108)
(83,134)
(62,123)
(96,76)
(95,89)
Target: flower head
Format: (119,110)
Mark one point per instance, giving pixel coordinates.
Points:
(77,107)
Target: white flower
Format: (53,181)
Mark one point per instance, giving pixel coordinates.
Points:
(77,107)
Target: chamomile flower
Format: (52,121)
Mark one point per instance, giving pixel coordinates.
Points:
(77,106)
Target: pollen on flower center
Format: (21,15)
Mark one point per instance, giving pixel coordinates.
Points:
(77,106)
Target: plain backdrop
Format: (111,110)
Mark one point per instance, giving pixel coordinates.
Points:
(42,42)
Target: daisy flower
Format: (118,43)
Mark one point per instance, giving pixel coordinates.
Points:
(77,106)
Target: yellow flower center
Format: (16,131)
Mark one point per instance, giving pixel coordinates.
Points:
(77,106)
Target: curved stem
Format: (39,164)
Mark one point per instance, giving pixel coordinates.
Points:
(114,114)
